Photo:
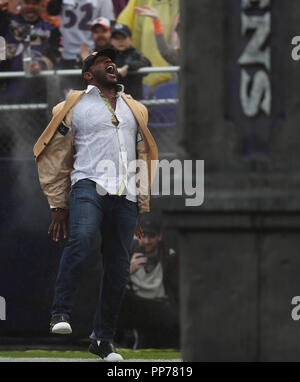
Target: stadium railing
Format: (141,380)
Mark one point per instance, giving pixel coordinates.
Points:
(25,117)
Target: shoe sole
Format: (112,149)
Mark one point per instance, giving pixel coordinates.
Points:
(112,357)
(62,328)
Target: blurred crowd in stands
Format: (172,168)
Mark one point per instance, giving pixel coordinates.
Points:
(59,34)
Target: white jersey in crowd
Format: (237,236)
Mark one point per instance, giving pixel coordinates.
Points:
(76,18)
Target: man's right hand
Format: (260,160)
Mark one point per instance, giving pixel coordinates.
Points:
(59,222)
(138,260)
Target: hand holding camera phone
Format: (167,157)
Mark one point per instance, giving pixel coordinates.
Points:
(138,259)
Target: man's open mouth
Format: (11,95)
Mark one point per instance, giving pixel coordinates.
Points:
(110,70)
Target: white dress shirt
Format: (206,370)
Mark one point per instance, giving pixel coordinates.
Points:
(97,140)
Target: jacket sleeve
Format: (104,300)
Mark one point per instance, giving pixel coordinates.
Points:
(143,194)
(55,164)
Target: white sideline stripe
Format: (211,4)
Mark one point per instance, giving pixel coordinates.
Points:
(46,359)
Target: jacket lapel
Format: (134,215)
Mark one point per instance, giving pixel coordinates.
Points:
(48,133)
(138,113)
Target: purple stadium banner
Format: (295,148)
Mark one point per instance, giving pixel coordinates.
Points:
(254,93)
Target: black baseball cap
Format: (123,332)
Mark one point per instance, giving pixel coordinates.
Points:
(150,224)
(122,29)
(108,52)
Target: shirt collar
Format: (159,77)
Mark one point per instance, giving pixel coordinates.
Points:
(120,88)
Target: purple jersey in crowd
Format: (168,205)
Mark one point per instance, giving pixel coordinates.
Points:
(15,30)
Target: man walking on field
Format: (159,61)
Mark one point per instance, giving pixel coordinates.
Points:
(91,128)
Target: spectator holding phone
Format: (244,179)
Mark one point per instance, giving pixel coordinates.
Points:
(150,307)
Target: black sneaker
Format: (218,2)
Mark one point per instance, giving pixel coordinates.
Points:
(105,350)
(60,324)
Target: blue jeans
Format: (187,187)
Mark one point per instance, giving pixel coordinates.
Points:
(116,218)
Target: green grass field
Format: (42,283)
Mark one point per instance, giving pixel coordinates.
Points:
(126,353)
